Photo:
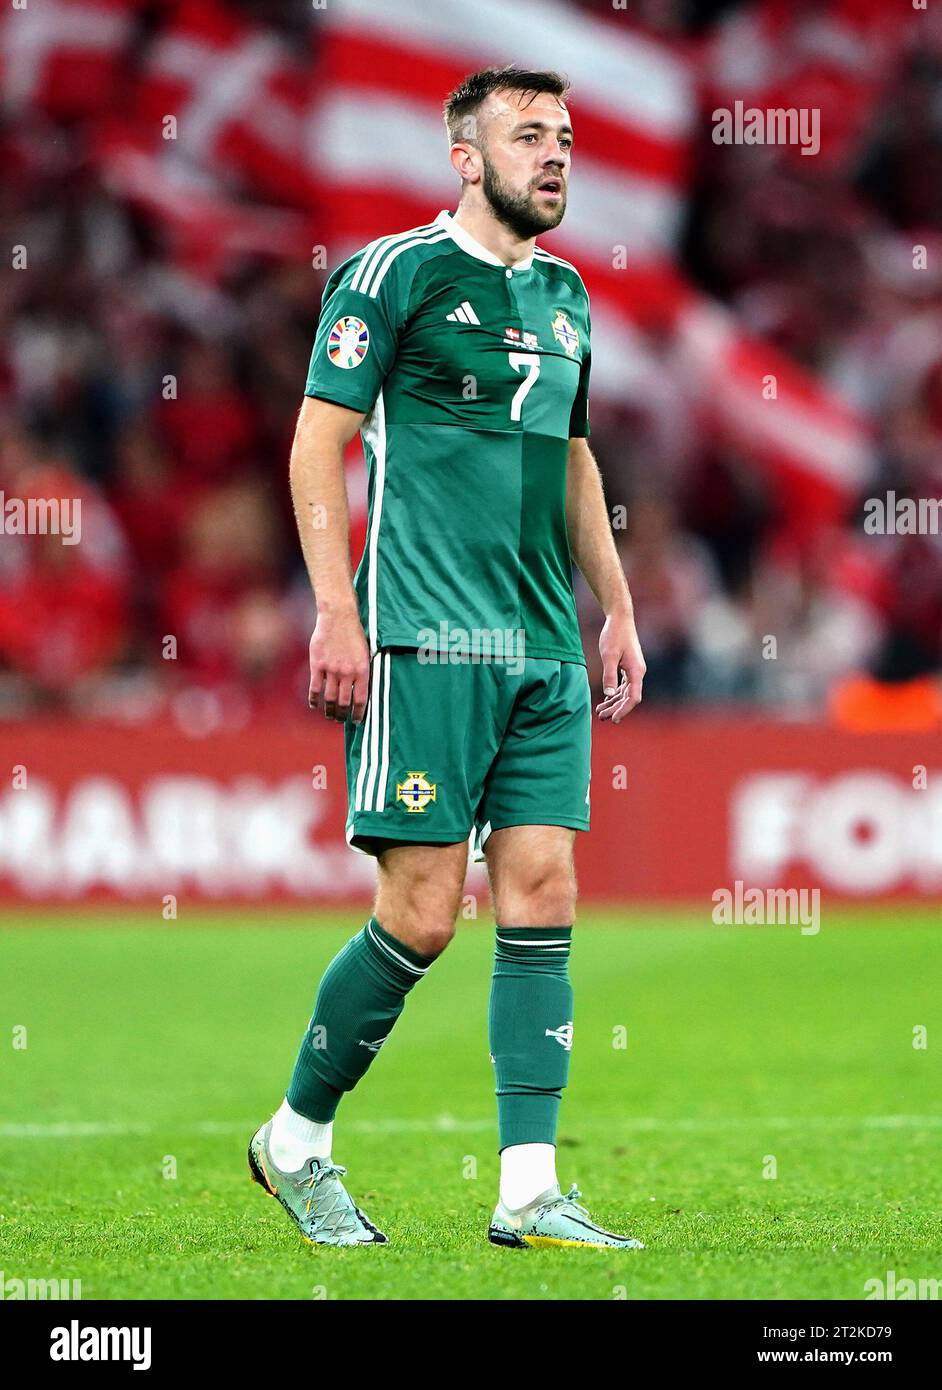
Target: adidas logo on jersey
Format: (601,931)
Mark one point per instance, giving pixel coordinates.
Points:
(463,314)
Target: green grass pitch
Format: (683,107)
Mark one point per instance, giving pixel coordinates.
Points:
(156,1049)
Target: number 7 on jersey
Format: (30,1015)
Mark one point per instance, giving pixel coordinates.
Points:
(531,361)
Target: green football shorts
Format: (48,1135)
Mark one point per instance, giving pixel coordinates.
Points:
(446,748)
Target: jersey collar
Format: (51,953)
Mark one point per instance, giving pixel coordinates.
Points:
(473,247)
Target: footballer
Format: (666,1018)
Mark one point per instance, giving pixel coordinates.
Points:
(460,351)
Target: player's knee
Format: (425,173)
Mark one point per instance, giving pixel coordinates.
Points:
(433,937)
(422,929)
(421,913)
(544,895)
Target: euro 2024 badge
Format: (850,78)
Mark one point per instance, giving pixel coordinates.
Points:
(348,342)
(416,791)
(565,333)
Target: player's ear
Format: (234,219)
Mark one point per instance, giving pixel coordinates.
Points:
(466,162)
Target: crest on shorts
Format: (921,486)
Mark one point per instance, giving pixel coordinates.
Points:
(348,342)
(564,333)
(415,792)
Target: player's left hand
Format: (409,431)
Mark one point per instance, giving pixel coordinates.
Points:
(621,657)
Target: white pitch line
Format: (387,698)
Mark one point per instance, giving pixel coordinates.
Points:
(450,1124)
(94,1129)
(73,1129)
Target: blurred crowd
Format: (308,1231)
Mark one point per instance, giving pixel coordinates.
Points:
(187,591)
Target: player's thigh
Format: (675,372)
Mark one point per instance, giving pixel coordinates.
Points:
(418,893)
(532,875)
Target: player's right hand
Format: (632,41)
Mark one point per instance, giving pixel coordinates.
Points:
(340,667)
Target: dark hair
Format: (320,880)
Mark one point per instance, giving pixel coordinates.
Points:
(467,97)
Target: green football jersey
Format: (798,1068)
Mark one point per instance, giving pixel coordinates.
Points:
(473,377)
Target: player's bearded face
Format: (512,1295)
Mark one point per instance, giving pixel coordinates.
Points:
(519,208)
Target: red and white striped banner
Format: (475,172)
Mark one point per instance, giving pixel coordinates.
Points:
(375,150)
(64,57)
(351,134)
(237,95)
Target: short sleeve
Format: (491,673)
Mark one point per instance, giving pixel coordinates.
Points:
(357,337)
(579,416)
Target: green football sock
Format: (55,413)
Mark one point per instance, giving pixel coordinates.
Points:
(361,995)
(530,1026)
